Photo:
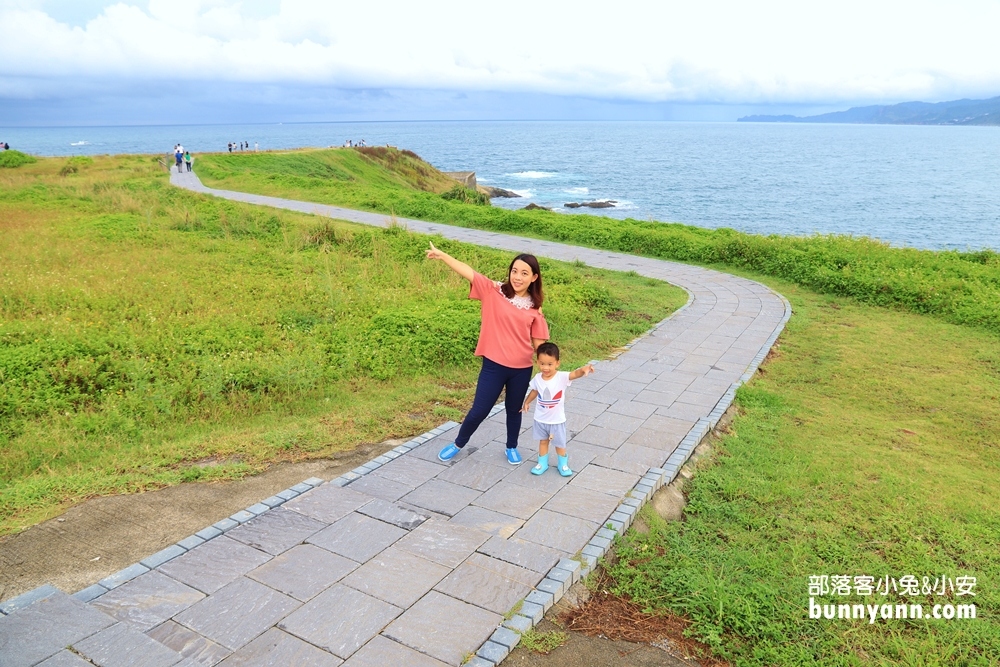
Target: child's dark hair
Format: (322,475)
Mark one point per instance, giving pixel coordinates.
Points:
(548,349)
(534,289)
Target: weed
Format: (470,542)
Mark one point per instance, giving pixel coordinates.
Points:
(543,642)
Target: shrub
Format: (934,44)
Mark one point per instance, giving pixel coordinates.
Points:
(466,196)
(13,159)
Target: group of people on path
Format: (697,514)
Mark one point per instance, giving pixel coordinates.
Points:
(182,158)
(350,143)
(513,334)
(4,145)
(242,146)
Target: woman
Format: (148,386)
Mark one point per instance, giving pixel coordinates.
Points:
(512,327)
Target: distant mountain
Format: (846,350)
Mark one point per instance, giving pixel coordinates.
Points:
(957,112)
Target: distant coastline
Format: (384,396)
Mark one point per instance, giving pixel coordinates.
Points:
(956,112)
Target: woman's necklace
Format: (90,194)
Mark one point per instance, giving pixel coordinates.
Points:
(520,302)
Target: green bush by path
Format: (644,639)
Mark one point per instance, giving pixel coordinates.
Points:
(867,447)
(145,329)
(959,287)
(10,159)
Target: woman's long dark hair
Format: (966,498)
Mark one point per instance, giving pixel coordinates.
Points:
(534,289)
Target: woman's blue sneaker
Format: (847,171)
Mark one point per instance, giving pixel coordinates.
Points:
(448,453)
(513,456)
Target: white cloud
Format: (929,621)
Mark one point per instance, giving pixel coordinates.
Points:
(645,50)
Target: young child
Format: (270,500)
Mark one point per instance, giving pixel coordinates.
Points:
(549,386)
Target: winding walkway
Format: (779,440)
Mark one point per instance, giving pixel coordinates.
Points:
(406,561)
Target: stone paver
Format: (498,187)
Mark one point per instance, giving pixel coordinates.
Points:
(486,588)
(382,651)
(446,543)
(528,555)
(189,643)
(122,645)
(148,600)
(237,613)
(558,531)
(513,499)
(409,561)
(340,620)
(399,514)
(583,503)
(275,647)
(276,531)
(441,497)
(397,577)
(66,659)
(443,627)
(488,521)
(357,537)
(214,564)
(328,503)
(303,572)
(47,626)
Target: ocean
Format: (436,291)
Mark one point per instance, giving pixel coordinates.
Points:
(934,187)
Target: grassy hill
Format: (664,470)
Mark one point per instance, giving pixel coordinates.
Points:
(959,287)
(867,445)
(146,331)
(150,336)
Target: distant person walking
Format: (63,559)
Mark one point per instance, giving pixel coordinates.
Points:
(230,146)
(512,328)
(178,157)
(256,147)
(187,160)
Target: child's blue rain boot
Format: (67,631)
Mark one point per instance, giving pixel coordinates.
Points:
(563,466)
(543,465)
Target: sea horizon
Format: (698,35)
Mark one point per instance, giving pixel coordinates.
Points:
(915,186)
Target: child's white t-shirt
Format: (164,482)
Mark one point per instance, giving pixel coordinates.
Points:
(549,406)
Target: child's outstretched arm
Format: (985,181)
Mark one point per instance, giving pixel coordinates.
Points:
(581,371)
(461,268)
(528,399)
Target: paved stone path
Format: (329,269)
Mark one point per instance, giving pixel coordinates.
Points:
(406,561)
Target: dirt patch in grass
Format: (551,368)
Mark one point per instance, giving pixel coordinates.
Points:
(616,618)
(101,536)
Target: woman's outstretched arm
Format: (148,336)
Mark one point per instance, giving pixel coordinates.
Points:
(461,268)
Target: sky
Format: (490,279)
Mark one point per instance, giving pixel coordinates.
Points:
(97,62)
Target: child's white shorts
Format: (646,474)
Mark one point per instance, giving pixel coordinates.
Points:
(554,433)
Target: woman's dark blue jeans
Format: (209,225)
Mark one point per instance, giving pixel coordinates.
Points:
(493,378)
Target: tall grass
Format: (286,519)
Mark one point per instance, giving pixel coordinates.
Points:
(959,287)
(144,329)
(867,447)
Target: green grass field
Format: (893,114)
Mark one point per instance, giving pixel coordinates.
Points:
(144,329)
(868,445)
(150,336)
(959,287)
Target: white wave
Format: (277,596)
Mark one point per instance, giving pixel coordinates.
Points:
(577,191)
(532,174)
(79,143)
(527,194)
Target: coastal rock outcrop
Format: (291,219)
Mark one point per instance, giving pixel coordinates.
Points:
(535,207)
(609,203)
(498,192)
